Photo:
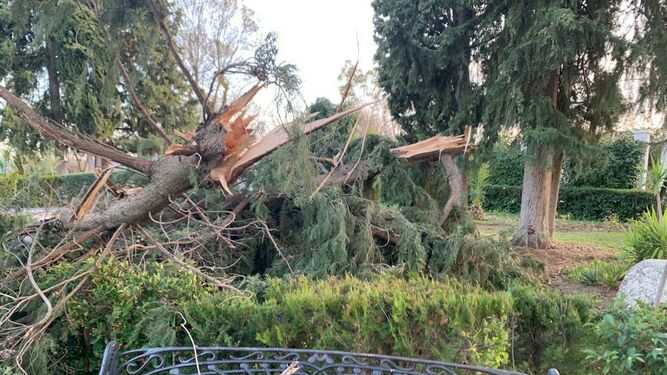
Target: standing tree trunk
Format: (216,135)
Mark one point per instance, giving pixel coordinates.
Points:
(555,190)
(54,85)
(541,185)
(535,200)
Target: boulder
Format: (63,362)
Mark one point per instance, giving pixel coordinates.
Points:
(641,282)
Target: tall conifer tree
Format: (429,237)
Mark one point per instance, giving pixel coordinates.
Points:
(550,68)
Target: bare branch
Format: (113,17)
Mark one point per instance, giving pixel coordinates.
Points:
(159,17)
(181,263)
(70,139)
(140,107)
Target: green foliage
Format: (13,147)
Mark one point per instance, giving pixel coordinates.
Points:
(655,176)
(506,164)
(478,182)
(578,203)
(9,222)
(386,220)
(630,341)
(647,238)
(416,316)
(87,42)
(605,273)
(616,165)
(424,49)
(550,330)
(650,44)
(50,191)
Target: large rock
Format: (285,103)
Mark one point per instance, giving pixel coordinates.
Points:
(641,282)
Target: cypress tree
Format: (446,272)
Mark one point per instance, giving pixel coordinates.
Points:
(66,58)
(550,68)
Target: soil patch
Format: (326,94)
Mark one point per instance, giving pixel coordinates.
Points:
(563,256)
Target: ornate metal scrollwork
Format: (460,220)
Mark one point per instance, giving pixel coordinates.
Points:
(273,361)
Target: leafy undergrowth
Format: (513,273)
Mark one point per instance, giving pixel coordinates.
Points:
(140,306)
(599,272)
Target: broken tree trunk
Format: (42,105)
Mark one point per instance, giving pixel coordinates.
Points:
(455,187)
(221,148)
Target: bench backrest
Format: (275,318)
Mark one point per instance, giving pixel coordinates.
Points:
(272,361)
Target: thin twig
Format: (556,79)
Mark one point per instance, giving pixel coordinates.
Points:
(194,346)
(183,264)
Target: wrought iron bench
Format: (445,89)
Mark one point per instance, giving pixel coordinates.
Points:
(273,361)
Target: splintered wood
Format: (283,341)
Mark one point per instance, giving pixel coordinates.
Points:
(431,149)
(241,148)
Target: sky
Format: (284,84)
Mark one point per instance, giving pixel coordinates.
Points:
(318,36)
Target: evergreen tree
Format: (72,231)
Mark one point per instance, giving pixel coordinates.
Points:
(68,59)
(550,68)
(424,53)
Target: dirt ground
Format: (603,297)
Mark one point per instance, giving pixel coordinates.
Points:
(563,256)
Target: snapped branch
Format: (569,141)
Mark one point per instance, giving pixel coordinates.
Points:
(159,17)
(70,139)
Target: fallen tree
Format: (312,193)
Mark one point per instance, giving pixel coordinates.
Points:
(215,156)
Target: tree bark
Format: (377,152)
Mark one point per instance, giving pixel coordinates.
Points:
(541,186)
(170,177)
(555,190)
(535,200)
(70,139)
(455,186)
(54,84)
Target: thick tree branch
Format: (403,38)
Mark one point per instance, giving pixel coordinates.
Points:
(70,139)
(159,17)
(140,107)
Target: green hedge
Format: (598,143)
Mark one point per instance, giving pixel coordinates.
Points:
(139,306)
(52,190)
(578,203)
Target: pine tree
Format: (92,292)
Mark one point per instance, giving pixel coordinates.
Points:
(424,55)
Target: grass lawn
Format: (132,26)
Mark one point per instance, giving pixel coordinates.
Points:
(609,236)
(614,241)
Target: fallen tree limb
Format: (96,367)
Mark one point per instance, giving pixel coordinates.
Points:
(173,258)
(70,139)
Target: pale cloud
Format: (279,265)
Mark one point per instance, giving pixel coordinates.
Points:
(318,36)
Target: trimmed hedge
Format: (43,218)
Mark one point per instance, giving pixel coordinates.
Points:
(138,306)
(579,203)
(60,190)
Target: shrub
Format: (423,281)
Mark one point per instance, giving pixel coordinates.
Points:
(630,341)
(52,190)
(445,320)
(608,274)
(549,330)
(578,203)
(647,238)
(617,166)
(506,164)
(478,182)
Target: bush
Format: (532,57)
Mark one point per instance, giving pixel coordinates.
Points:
(579,203)
(608,274)
(51,190)
(445,320)
(617,168)
(615,164)
(647,238)
(506,164)
(630,341)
